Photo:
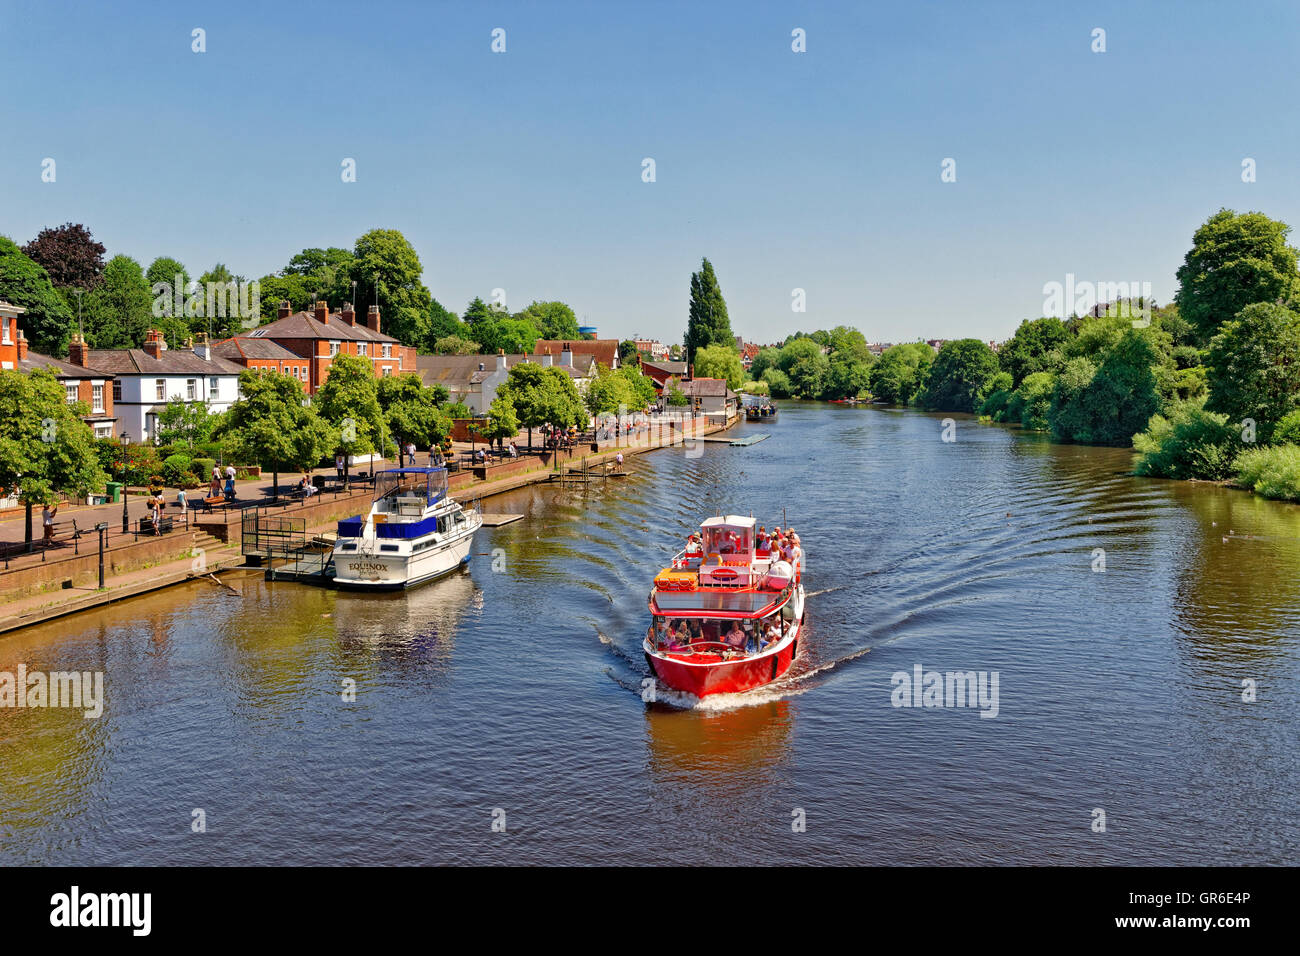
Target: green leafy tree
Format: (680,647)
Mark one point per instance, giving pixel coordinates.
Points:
(1122,396)
(163,286)
(184,422)
(1189,443)
(454,345)
(1236,260)
(1069,416)
(627,351)
(1031,403)
(1038,346)
(517,336)
(164,270)
(708,322)
(349,401)
(45,448)
(502,422)
(118,313)
(272,425)
(275,289)
(386,269)
(902,372)
(219,316)
(720,361)
(1254,366)
(848,376)
(542,396)
(675,396)
(411,410)
(764,360)
(443,323)
(47,322)
(960,376)
(555,320)
(778,383)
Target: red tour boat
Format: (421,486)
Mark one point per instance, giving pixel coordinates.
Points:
(726,613)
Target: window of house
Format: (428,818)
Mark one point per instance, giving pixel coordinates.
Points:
(363,348)
(388,370)
(334,349)
(160,386)
(4,325)
(388,350)
(191,389)
(97,398)
(213,389)
(72,391)
(117,390)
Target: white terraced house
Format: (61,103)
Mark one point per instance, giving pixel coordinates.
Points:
(146,379)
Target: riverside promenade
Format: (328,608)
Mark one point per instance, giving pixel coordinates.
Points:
(64,579)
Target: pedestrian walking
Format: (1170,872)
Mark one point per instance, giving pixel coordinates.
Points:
(47,522)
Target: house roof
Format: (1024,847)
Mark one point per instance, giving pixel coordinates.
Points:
(169,362)
(453,371)
(59,367)
(249,347)
(605,351)
(665,368)
(305,325)
(706,388)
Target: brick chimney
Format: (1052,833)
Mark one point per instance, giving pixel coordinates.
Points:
(78,353)
(201,347)
(501,360)
(566,357)
(22,346)
(548,359)
(322,311)
(285,310)
(153,345)
(349,314)
(372,318)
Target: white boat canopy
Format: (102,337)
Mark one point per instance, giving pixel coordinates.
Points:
(730,521)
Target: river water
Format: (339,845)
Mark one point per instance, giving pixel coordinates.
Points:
(512,693)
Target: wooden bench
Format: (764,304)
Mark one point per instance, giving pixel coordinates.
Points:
(165,524)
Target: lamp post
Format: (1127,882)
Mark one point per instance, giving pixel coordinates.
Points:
(101,528)
(126,522)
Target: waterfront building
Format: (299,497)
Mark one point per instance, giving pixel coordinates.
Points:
(317,336)
(475,379)
(144,380)
(711,397)
(661,372)
(94,388)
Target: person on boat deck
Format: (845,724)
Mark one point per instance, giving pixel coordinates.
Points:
(773,633)
(676,640)
(764,542)
(735,637)
(796,552)
(693,548)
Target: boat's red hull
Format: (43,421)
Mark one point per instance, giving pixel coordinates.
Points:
(705,674)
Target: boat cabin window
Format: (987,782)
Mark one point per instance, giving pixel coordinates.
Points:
(728,540)
(409,491)
(705,634)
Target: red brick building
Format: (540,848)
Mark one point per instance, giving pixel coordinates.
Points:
(91,386)
(312,340)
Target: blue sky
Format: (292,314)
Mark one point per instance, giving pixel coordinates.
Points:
(522,170)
